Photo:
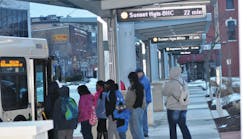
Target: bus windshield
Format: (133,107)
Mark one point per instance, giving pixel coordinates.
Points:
(13,83)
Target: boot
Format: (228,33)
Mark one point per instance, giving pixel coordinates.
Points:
(99,135)
(105,135)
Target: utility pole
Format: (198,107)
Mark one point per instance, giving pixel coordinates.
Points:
(218,63)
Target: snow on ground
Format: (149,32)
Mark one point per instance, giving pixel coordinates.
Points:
(199,83)
(73,87)
(228,99)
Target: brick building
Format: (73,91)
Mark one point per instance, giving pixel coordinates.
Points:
(223,35)
(71,44)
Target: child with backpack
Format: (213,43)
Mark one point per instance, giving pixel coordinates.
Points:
(121,114)
(65,115)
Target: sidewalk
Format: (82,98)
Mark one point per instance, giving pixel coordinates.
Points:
(199,120)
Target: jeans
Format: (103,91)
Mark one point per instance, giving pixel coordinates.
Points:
(178,117)
(112,129)
(136,123)
(86,130)
(122,135)
(65,134)
(145,121)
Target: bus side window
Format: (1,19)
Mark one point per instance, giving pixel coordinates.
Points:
(8,97)
(13,80)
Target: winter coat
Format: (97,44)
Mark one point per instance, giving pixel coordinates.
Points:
(130,99)
(121,113)
(110,103)
(85,107)
(50,99)
(122,119)
(100,109)
(147,87)
(172,90)
(60,123)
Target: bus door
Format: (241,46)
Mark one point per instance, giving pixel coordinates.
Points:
(41,68)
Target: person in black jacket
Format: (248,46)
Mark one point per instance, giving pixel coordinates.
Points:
(110,104)
(49,101)
(136,103)
(63,128)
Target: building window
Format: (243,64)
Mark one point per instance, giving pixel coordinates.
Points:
(13,22)
(231,27)
(230,4)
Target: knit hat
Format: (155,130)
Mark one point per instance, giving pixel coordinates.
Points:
(139,70)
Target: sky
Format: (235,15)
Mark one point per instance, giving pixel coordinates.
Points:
(37,10)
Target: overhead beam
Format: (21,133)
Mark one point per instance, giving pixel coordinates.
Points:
(92,6)
(178,44)
(153,24)
(116,4)
(189,26)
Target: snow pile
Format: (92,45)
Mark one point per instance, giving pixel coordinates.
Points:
(228,99)
(199,83)
(92,85)
(73,87)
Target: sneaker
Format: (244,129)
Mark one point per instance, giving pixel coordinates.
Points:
(145,136)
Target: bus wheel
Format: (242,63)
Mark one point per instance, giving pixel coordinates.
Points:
(20,118)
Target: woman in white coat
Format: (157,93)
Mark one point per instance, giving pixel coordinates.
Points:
(176,111)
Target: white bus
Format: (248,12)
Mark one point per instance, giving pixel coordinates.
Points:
(24,76)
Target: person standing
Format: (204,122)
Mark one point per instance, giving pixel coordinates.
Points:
(99,91)
(135,101)
(49,101)
(176,111)
(121,114)
(110,105)
(86,103)
(147,87)
(63,128)
(101,111)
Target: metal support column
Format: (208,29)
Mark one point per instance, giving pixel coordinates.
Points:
(126,50)
(166,64)
(154,62)
(162,65)
(112,42)
(100,50)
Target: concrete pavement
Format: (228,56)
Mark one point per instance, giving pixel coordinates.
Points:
(199,120)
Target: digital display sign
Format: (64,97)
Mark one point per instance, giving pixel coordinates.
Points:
(11,63)
(161,13)
(184,50)
(60,37)
(176,38)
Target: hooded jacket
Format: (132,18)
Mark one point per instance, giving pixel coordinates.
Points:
(60,123)
(172,89)
(146,84)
